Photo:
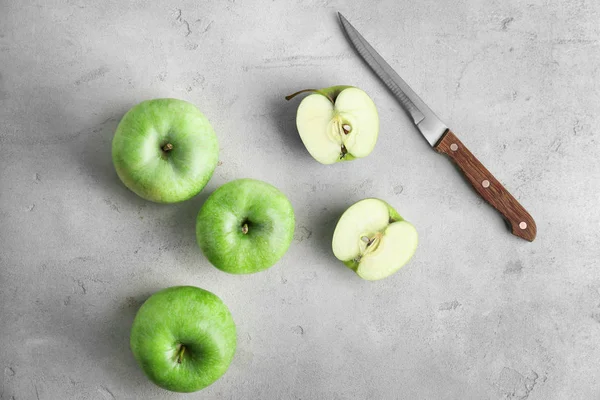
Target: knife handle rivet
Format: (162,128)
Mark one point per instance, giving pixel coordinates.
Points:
(453,147)
(485,183)
(523,225)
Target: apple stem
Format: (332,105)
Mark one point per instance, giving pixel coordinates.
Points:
(291,96)
(245,228)
(180,355)
(167,147)
(343,153)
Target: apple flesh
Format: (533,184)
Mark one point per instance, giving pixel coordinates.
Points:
(183,338)
(339,123)
(373,240)
(245,226)
(165,150)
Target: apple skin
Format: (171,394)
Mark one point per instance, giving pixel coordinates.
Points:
(146,168)
(269,219)
(186,315)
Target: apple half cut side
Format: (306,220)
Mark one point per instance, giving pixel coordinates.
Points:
(339,123)
(373,240)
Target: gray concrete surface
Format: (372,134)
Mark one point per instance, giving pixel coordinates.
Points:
(477,314)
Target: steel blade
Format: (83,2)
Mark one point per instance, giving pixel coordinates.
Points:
(428,123)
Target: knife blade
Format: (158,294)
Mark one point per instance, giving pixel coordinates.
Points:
(443,140)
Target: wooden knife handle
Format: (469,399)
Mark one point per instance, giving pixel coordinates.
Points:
(488,187)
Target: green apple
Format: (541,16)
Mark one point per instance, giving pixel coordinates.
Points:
(245,226)
(372,239)
(165,150)
(183,338)
(338,123)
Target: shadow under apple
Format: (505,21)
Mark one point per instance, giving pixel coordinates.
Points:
(93,149)
(180,230)
(103,339)
(323,225)
(285,120)
(112,339)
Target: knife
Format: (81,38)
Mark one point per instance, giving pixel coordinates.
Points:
(444,141)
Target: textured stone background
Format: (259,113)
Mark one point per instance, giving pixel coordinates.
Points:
(477,314)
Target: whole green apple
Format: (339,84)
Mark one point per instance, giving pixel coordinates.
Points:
(338,123)
(165,150)
(183,338)
(373,240)
(245,226)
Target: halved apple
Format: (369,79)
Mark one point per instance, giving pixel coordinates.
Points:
(373,240)
(338,123)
